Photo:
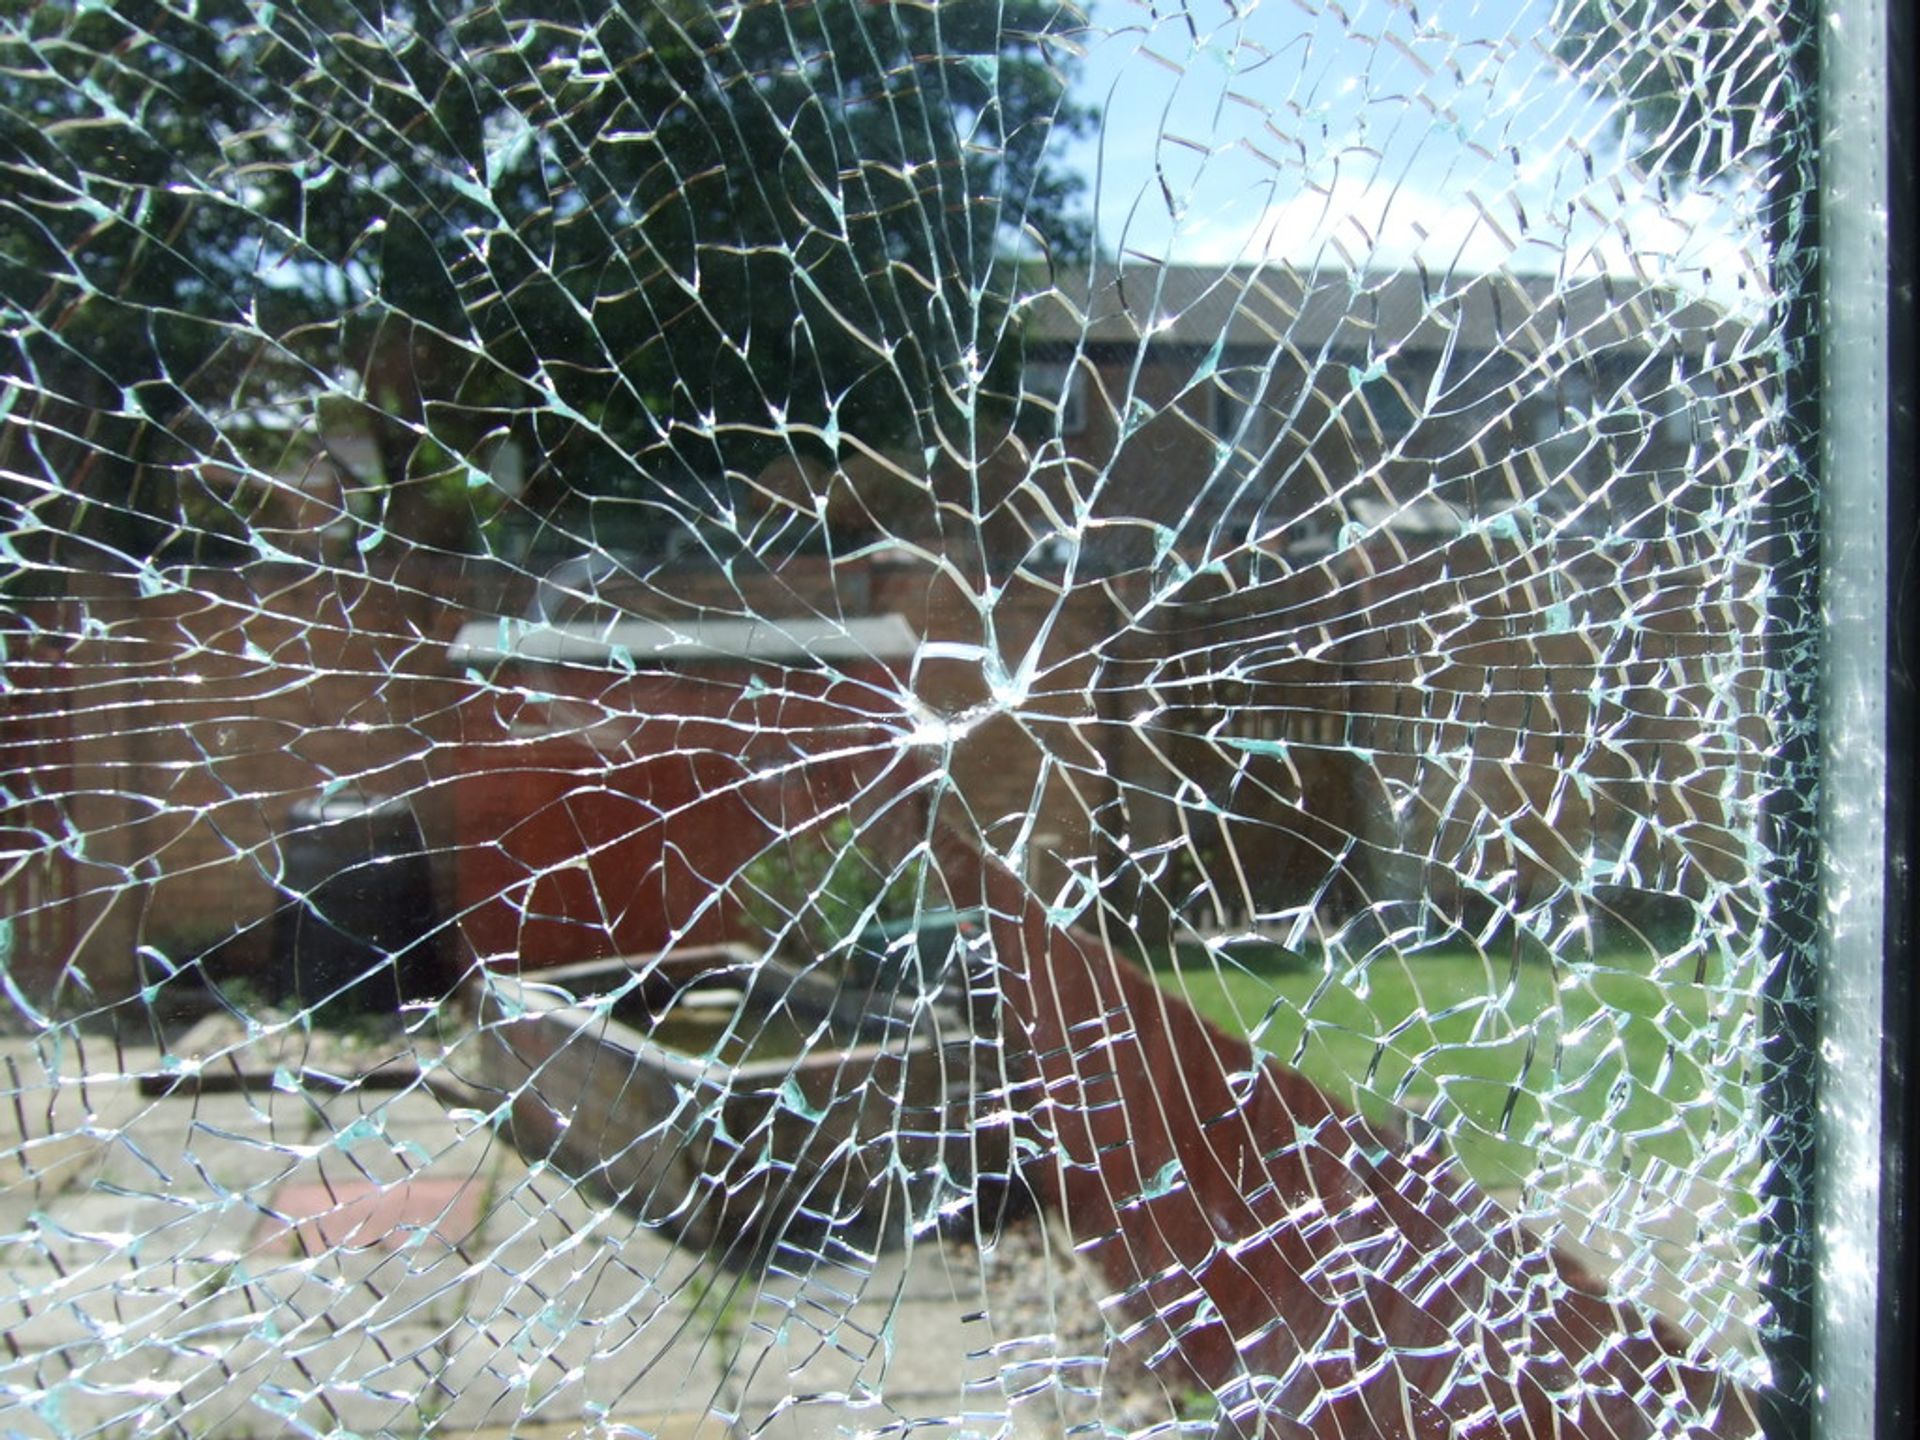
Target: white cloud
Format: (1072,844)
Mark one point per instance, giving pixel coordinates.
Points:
(1706,242)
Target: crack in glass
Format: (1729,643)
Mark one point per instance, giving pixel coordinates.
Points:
(836,718)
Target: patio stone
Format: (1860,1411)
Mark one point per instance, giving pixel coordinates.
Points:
(316,1217)
(246,1263)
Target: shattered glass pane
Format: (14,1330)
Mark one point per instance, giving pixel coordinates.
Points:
(837,718)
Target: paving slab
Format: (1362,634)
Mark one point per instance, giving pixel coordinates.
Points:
(271,1259)
(228,1053)
(870,1344)
(69,1094)
(1674,1242)
(640,1425)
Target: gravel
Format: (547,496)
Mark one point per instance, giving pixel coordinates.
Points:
(1061,1364)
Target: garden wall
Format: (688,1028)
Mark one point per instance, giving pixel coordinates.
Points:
(1612,741)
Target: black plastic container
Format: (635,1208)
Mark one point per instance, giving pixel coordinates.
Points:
(357,933)
(940,961)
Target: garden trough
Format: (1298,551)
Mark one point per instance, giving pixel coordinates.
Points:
(737,1102)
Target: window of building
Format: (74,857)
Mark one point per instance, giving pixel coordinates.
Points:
(1061,386)
(612,821)
(1238,416)
(1385,410)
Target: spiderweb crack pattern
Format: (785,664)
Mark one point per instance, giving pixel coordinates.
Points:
(839,718)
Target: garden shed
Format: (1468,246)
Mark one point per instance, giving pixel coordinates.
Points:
(615,774)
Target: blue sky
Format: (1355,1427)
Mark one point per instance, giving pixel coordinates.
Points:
(1372,133)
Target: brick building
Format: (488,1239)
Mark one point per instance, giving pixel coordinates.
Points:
(1263,411)
(1438,596)
(1343,595)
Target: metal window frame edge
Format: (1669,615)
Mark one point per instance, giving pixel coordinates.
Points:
(1861,1321)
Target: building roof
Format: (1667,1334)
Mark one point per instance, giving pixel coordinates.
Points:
(1371,313)
(888,639)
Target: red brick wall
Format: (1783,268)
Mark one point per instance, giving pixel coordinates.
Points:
(1254,1230)
(199,716)
(37,867)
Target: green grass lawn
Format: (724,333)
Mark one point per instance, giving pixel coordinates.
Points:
(1538,1068)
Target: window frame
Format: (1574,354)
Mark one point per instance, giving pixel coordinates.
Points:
(1850,359)
(1228,408)
(1061,386)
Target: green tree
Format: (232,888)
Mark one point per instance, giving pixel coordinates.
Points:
(655,245)
(1697,79)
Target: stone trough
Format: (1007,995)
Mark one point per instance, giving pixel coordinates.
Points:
(737,1102)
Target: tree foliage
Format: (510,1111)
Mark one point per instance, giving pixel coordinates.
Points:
(653,245)
(1697,78)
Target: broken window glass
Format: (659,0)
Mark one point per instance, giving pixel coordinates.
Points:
(788,719)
